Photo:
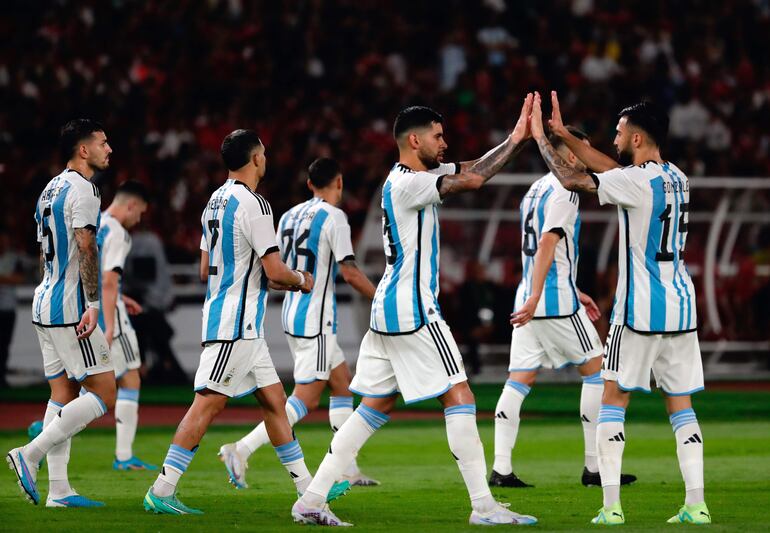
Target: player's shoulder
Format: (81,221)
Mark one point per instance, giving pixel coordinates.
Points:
(80,184)
(249,200)
(337,215)
(558,191)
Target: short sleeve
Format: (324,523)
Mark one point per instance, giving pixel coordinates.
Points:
(420,189)
(204,245)
(617,186)
(446,168)
(114,251)
(260,230)
(85,207)
(339,237)
(561,212)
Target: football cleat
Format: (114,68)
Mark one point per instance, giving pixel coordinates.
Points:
(360,480)
(26,475)
(610,516)
(166,505)
(235,464)
(509,480)
(697,513)
(593,478)
(132,464)
(501,515)
(73,500)
(322,516)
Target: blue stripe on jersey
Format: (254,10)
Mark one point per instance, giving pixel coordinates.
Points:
(261,302)
(657,290)
(552,278)
(312,244)
(335,271)
(228,267)
(675,247)
(57,293)
(237,324)
(576,251)
(416,312)
(682,237)
(391,291)
(101,236)
(630,313)
(434,261)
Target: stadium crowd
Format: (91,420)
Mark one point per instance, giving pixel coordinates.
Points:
(170,79)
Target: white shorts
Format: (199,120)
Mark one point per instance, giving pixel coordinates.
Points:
(64,354)
(554,343)
(125,353)
(235,368)
(420,365)
(674,360)
(315,358)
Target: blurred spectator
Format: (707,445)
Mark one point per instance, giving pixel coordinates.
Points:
(148,281)
(10,276)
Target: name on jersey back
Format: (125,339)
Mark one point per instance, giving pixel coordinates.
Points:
(676,186)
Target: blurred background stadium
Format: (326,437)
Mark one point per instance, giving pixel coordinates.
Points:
(170,79)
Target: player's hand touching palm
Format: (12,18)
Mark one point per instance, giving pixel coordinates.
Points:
(536,119)
(521,131)
(555,123)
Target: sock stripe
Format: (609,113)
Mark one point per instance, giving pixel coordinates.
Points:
(128,394)
(101,402)
(682,418)
(178,457)
(340,402)
(298,405)
(289,452)
(374,418)
(593,379)
(520,387)
(466,409)
(611,413)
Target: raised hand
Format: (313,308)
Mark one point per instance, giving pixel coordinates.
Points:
(555,123)
(536,119)
(521,131)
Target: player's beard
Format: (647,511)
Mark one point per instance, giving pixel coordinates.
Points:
(430,161)
(625,157)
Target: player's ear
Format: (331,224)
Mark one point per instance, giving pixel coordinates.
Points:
(309,185)
(413,139)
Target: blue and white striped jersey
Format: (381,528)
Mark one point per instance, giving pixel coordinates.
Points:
(407,295)
(237,231)
(114,244)
(548,206)
(655,293)
(313,236)
(67,203)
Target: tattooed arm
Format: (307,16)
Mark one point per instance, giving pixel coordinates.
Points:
(474,174)
(570,178)
(88,259)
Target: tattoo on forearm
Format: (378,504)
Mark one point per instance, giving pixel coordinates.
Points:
(571,179)
(88,259)
(496,159)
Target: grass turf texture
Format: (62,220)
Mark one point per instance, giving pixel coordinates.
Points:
(421,487)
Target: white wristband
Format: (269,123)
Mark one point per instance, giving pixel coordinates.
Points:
(93,305)
(301,278)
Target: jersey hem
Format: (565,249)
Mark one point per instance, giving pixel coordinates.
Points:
(227,341)
(642,332)
(396,334)
(68,325)
(553,317)
(306,336)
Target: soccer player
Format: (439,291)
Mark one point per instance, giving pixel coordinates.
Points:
(317,233)
(240,260)
(114,244)
(553,331)
(409,349)
(653,324)
(65,311)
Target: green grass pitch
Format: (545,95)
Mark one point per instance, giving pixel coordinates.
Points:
(421,487)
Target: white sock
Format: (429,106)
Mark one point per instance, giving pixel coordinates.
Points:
(689,450)
(57,458)
(340,409)
(72,418)
(590,400)
(507,424)
(344,448)
(292,458)
(174,465)
(295,411)
(466,447)
(610,442)
(126,419)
